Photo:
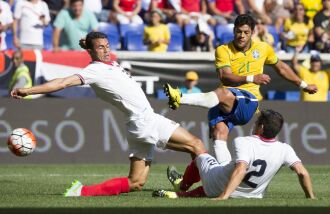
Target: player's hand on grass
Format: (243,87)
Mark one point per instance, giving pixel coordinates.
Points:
(18,93)
(311,89)
(261,79)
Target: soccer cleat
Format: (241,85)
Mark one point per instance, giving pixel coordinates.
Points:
(174,177)
(164,194)
(74,190)
(174,96)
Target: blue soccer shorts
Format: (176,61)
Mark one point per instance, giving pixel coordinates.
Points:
(244,108)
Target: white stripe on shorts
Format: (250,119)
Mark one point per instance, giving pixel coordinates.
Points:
(244,97)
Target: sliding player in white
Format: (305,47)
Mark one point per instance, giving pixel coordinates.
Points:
(257,159)
(145,128)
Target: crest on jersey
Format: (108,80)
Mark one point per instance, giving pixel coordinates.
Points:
(255,54)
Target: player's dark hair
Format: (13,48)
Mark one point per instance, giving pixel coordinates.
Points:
(87,43)
(245,19)
(74,1)
(272,122)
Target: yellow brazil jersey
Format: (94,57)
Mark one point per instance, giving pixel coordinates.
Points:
(155,33)
(300,30)
(320,79)
(246,63)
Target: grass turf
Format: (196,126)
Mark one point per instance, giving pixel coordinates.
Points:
(42,186)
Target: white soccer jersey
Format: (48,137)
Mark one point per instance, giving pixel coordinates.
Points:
(264,159)
(114,85)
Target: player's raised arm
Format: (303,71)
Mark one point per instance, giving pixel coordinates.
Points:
(51,86)
(295,63)
(235,179)
(287,73)
(304,179)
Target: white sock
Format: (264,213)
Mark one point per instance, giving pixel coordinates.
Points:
(221,151)
(207,100)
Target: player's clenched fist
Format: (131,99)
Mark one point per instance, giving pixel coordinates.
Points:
(18,93)
(311,89)
(261,79)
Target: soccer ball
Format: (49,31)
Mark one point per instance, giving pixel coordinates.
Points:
(21,142)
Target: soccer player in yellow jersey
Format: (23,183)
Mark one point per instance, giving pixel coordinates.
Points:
(239,65)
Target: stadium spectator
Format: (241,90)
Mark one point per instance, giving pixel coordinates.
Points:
(224,10)
(298,31)
(311,7)
(279,11)
(21,77)
(235,103)
(94,6)
(258,158)
(156,35)
(145,128)
(193,11)
(107,14)
(202,41)
(190,83)
(322,28)
(168,9)
(55,6)
(127,11)
(258,10)
(6,22)
(30,17)
(261,33)
(314,74)
(11,2)
(71,25)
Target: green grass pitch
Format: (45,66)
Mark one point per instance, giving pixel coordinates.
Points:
(41,187)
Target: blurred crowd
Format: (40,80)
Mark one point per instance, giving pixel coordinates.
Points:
(289,25)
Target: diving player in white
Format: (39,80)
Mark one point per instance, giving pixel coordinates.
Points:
(257,159)
(145,129)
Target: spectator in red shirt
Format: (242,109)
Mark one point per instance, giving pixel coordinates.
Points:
(171,14)
(127,11)
(194,10)
(223,10)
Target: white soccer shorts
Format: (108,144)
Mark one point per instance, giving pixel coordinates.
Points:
(144,134)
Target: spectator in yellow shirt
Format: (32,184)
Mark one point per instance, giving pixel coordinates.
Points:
(298,31)
(313,75)
(157,35)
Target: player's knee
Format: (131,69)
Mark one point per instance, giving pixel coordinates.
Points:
(136,184)
(198,146)
(220,132)
(225,96)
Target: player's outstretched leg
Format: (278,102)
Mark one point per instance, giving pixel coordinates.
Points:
(109,187)
(220,96)
(114,186)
